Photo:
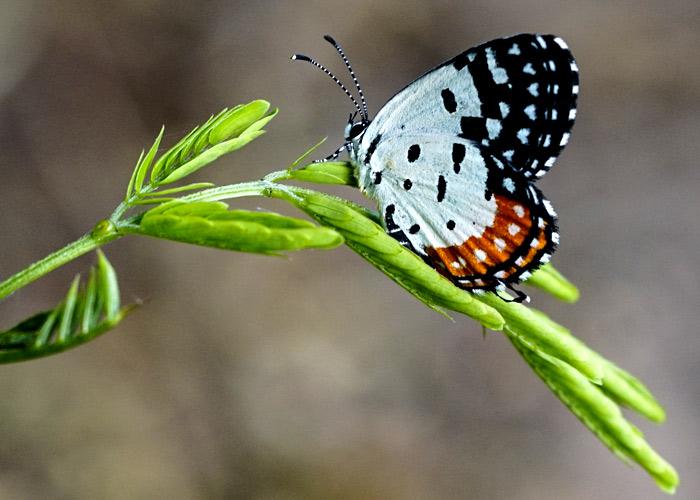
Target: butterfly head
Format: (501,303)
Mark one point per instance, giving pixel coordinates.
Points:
(355,129)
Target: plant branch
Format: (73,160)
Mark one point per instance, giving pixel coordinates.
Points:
(103,233)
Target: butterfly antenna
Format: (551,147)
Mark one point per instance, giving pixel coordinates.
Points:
(329,39)
(302,57)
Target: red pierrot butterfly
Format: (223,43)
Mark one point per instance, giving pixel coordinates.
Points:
(452,158)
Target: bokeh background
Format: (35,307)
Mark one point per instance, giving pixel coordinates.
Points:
(314,377)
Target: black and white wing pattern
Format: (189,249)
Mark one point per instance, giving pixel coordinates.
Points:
(514,96)
(466,213)
(452,159)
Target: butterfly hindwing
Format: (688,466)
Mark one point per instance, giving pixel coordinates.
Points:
(467,213)
(514,96)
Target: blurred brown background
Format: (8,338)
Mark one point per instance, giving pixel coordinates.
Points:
(314,377)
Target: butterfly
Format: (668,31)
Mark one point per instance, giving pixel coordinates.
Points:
(452,159)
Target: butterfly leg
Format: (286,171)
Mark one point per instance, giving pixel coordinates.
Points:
(519,298)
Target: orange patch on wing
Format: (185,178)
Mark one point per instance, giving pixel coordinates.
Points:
(512,224)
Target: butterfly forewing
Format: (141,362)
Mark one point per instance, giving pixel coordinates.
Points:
(515,96)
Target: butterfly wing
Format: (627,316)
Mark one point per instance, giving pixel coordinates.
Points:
(467,213)
(514,96)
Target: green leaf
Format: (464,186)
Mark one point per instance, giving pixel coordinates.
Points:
(628,391)
(330,172)
(108,286)
(618,384)
(223,133)
(237,121)
(67,312)
(597,412)
(550,280)
(84,313)
(171,156)
(546,336)
(130,187)
(370,240)
(142,169)
(212,224)
(208,156)
(306,154)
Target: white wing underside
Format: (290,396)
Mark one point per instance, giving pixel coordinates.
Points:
(462,202)
(418,108)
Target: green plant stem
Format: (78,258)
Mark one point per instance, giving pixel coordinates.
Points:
(270,188)
(58,258)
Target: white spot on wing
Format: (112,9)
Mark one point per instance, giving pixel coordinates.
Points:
(533,89)
(530,111)
(508,155)
(555,238)
(547,140)
(554,114)
(552,66)
(519,261)
(574,68)
(513,229)
(564,139)
(519,210)
(549,208)
(550,161)
(480,255)
(499,74)
(533,193)
(514,50)
(572,114)
(509,185)
(500,274)
(561,43)
(574,90)
(555,89)
(493,127)
(523,133)
(500,244)
(505,109)
(529,69)
(541,41)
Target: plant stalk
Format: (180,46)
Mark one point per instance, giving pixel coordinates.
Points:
(96,238)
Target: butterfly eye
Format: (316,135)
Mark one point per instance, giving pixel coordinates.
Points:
(355,130)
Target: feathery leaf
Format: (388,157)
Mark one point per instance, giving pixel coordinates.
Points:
(597,412)
(329,172)
(212,224)
(550,280)
(82,315)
